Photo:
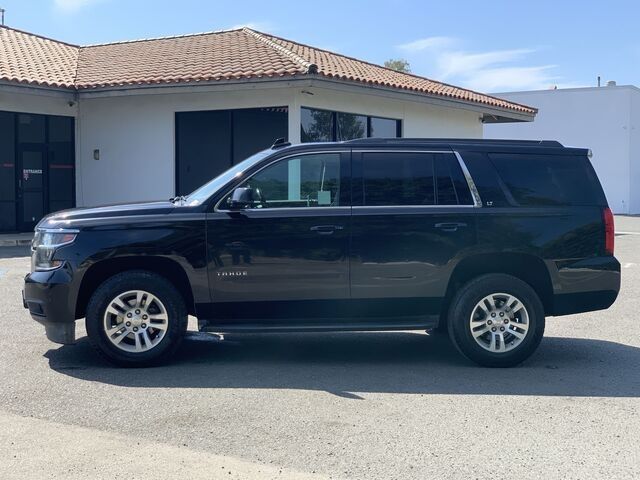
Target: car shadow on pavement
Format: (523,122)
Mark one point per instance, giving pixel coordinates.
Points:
(348,364)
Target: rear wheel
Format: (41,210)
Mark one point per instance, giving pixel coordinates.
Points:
(136,318)
(496,320)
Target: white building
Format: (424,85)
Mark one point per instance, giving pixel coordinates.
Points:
(149,119)
(604,119)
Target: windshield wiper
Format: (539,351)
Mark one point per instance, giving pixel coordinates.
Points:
(178,199)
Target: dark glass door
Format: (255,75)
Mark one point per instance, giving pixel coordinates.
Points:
(31,163)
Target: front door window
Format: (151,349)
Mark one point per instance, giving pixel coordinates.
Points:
(303,181)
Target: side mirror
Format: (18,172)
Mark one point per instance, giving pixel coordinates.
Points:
(241,198)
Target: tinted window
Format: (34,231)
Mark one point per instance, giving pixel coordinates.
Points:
(553,180)
(255,129)
(203,147)
(61,163)
(31,128)
(384,127)
(398,179)
(305,181)
(316,125)
(490,186)
(7,159)
(7,172)
(451,185)
(351,126)
(327,126)
(210,142)
(60,129)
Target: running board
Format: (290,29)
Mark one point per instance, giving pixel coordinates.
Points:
(302,325)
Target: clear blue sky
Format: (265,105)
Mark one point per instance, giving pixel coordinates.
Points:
(487,45)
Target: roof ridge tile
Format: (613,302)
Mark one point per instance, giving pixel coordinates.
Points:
(42,37)
(309,66)
(166,37)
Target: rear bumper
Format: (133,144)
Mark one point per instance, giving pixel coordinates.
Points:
(585,285)
(50,299)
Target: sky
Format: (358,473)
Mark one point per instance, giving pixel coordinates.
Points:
(490,45)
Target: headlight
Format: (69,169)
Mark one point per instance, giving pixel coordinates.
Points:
(45,243)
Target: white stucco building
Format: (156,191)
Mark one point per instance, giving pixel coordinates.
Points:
(604,119)
(149,119)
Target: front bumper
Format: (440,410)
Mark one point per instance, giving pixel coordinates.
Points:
(50,299)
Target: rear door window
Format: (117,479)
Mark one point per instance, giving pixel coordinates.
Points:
(548,180)
(413,178)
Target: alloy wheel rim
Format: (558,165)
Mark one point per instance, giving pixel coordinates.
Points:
(499,322)
(135,321)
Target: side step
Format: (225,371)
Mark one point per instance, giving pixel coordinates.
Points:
(303,325)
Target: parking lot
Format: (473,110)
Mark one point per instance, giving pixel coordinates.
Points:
(350,405)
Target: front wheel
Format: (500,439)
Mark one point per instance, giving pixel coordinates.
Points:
(136,318)
(496,320)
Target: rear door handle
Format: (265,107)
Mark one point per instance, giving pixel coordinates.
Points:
(325,229)
(450,226)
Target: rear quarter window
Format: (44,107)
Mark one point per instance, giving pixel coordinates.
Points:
(548,180)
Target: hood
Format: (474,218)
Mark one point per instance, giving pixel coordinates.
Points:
(77,216)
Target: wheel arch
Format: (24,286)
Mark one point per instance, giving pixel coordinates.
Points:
(104,269)
(528,268)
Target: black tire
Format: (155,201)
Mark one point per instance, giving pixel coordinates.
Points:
(464,303)
(137,280)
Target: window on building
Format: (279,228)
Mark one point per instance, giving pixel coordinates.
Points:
(316,125)
(327,126)
(210,142)
(7,172)
(61,163)
(351,126)
(384,127)
(37,168)
(305,181)
(408,178)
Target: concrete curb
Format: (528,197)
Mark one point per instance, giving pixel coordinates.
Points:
(15,243)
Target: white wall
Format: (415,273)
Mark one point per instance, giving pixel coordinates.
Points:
(135,133)
(595,118)
(634,178)
(38,101)
(135,136)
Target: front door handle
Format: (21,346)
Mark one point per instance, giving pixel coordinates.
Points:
(450,226)
(325,229)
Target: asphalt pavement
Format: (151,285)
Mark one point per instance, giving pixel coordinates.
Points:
(347,405)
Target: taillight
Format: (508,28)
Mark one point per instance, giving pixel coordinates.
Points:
(609,230)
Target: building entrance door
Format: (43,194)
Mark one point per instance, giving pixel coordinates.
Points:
(31,185)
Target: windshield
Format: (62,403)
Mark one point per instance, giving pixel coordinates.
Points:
(209,188)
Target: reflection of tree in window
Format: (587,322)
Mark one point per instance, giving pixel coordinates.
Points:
(351,126)
(316,125)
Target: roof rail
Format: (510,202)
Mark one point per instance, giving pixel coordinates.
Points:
(481,141)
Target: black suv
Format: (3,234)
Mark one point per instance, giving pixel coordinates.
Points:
(480,238)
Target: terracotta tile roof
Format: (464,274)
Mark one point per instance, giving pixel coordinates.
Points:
(346,68)
(206,57)
(28,58)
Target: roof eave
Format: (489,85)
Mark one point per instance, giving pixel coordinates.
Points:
(489,113)
(37,89)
